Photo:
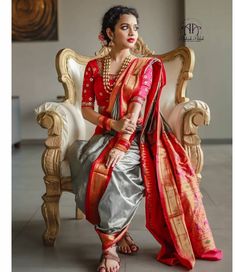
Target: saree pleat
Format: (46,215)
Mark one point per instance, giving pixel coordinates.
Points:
(118,203)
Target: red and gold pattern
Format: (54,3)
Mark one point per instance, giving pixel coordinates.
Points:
(110,239)
(93,87)
(175,213)
(122,144)
(99,174)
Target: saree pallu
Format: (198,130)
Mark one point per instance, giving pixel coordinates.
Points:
(175,213)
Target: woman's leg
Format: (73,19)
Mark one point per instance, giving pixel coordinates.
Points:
(120,201)
(109,260)
(127,245)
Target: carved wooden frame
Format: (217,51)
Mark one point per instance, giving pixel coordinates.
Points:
(196,114)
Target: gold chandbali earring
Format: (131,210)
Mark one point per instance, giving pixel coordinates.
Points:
(111,43)
(106,69)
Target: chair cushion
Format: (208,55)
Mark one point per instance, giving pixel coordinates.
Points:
(65,169)
(73,126)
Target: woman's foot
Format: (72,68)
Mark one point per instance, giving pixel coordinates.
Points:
(127,245)
(110,261)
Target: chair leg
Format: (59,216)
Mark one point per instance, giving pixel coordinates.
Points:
(79,214)
(50,212)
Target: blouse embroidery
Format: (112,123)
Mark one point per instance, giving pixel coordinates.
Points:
(93,88)
(141,95)
(88,95)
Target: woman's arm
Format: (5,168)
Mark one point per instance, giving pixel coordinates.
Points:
(134,108)
(124,125)
(133,115)
(115,154)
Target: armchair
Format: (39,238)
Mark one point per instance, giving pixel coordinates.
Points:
(65,123)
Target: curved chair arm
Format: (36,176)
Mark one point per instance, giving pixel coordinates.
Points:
(64,122)
(185,120)
(197,113)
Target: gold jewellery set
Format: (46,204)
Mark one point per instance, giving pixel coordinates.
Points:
(106,69)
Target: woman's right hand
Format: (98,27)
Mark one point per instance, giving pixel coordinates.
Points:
(125,125)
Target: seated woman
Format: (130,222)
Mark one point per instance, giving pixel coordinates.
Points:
(131,156)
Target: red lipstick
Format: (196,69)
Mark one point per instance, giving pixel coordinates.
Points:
(131,40)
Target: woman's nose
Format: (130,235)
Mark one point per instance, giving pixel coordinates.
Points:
(131,32)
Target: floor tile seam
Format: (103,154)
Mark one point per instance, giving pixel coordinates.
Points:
(24,226)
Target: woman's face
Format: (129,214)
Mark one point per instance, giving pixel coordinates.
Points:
(126,31)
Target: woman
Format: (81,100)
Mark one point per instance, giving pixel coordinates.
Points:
(131,155)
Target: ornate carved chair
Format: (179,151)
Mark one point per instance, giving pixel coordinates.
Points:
(65,123)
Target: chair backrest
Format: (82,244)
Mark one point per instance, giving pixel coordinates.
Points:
(178,64)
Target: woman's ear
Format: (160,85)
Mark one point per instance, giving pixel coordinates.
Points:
(109,33)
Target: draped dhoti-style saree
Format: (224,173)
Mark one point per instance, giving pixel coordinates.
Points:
(155,166)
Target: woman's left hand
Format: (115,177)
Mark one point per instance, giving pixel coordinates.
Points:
(114,156)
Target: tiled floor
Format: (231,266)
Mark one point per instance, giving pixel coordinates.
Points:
(78,248)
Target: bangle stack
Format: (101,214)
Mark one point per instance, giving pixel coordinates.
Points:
(104,122)
(122,144)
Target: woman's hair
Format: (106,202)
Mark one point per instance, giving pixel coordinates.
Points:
(112,16)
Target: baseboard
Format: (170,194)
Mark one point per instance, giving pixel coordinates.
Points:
(216,141)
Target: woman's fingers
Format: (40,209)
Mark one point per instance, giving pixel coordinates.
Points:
(115,161)
(129,128)
(114,157)
(109,162)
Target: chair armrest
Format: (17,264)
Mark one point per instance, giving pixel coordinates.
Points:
(64,122)
(186,117)
(185,120)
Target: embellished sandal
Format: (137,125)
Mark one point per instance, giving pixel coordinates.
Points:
(108,256)
(134,248)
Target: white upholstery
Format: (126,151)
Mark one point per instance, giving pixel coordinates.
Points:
(73,124)
(76,72)
(167,101)
(65,169)
(175,119)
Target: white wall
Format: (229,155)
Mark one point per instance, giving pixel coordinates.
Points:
(34,74)
(212,80)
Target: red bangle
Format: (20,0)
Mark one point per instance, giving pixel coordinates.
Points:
(121,142)
(108,124)
(104,122)
(120,147)
(101,121)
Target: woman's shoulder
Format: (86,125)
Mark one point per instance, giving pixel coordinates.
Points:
(152,58)
(94,64)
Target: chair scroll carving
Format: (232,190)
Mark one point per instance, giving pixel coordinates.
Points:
(197,114)
(51,167)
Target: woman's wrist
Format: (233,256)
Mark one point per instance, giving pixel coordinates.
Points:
(105,122)
(122,144)
(113,124)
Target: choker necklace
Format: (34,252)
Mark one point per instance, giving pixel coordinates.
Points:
(106,68)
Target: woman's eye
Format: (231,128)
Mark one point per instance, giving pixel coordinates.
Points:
(126,27)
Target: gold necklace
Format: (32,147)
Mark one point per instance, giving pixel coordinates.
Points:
(106,68)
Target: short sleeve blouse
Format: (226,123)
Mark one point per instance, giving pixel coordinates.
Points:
(93,88)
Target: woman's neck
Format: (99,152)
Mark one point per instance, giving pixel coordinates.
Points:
(119,55)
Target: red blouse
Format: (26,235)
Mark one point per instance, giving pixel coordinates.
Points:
(93,88)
